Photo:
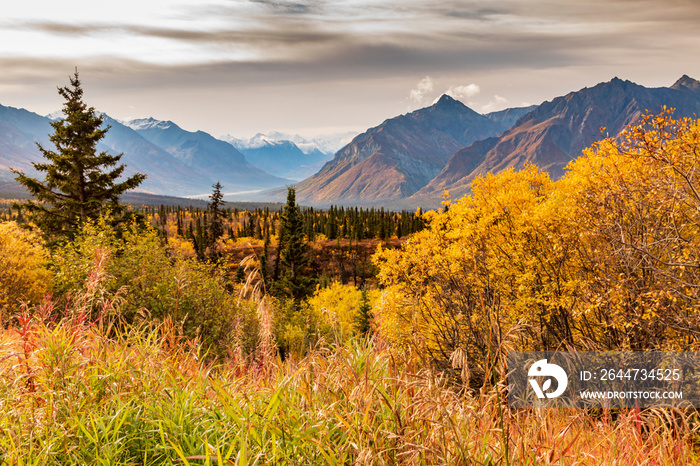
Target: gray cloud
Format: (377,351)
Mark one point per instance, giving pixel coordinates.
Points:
(375,50)
(476,26)
(285,7)
(324,53)
(263,36)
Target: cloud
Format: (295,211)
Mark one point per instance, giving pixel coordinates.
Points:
(463,92)
(497,103)
(263,36)
(456,37)
(285,7)
(424,87)
(308,50)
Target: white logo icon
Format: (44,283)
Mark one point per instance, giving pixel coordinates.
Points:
(542,369)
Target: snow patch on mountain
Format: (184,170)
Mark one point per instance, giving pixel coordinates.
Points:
(326,144)
(147,123)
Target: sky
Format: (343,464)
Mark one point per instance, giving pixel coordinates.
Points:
(315,67)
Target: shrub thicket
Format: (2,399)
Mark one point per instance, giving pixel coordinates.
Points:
(607,257)
(156,285)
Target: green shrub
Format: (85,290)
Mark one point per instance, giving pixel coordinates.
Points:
(155,285)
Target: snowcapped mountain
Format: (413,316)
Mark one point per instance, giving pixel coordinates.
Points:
(326,144)
(140,124)
(57,115)
(216,159)
(288,156)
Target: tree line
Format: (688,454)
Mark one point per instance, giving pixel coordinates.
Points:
(204,226)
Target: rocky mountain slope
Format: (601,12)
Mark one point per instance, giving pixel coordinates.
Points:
(556,132)
(397,158)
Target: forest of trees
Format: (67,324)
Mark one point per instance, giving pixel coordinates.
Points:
(354,224)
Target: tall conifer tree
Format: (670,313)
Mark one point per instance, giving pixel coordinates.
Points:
(80,184)
(294,252)
(216,223)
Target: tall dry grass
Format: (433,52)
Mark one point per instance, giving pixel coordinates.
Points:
(72,395)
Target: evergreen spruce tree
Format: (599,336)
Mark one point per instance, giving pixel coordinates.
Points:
(80,184)
(294,252)
(179,225)
(215,227)
(264,258)
(332,225)
(199,240)
(363,321)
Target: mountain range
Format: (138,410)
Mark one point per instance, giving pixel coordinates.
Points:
(397,158)
(410,160)
(556,132)
(293,157)
(404,162)
(201,152)
(177,162)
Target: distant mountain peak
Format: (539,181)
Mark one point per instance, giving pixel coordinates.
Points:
(398,157)
(148,123)
(326,144)
(686,83)
(444,98)
(621,83)
(446,101)
(57,115)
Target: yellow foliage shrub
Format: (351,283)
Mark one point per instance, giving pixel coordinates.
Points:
(336,309)
(637,203)
(486,269)
(181,247)
(23,273)
(331,315)
(607,257)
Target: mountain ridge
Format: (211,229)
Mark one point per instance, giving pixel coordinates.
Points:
(280,157)
(557,131)
(168,174)
(215,159)
(406,161)
(398,157)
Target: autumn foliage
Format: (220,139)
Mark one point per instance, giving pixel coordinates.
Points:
(605,258)
(24,277)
